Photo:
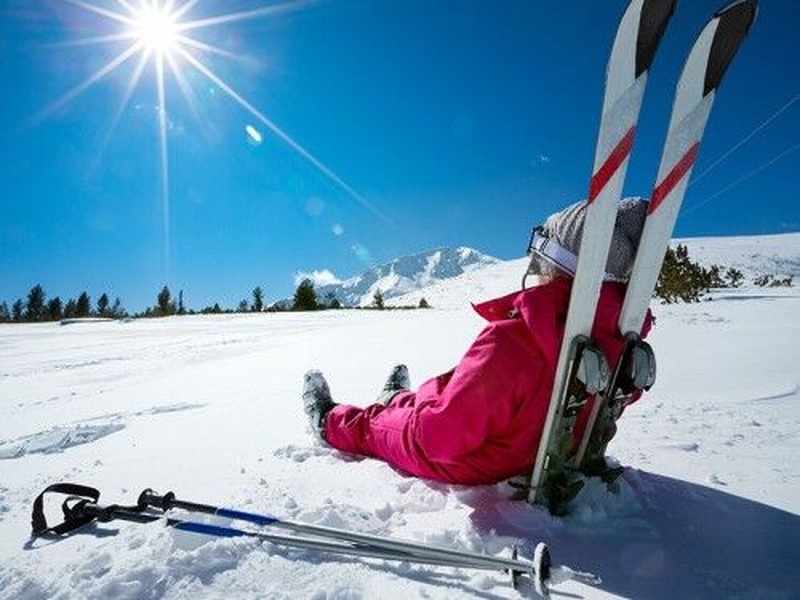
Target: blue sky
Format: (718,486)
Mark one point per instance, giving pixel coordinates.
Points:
(401,125)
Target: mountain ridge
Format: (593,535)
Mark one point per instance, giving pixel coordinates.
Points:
(442,274)
(404,275)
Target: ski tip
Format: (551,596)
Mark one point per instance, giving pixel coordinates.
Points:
(653,20)
(734,22)
(740,6)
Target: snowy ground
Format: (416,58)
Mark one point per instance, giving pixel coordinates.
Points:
(208,407)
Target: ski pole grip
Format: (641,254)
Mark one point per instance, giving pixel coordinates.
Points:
(151,498)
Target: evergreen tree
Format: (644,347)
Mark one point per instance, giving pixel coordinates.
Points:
(773,281)
(117,310)
(680,279)
(181,307)
(165,306)
(734,277)
(71,309)
(305,297)
(258,299)
(35,308)
(423,303)
(83,308)
(244,306)
(377,300)
(102,306)
(55,309)
(332,301)
(5,313)
(17,310)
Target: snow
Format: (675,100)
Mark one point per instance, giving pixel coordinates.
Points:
(209,407)
(404,275)
(753,255)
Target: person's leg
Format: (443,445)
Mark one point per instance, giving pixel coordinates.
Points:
(384,432)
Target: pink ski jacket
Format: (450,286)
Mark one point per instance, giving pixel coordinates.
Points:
(481,422)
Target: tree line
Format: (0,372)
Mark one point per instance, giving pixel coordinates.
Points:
(36,307)
(306,298)
(680,280)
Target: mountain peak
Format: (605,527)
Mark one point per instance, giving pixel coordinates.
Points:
(405,274)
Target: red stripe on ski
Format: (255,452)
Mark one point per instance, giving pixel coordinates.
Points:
(673,177)
(610,166)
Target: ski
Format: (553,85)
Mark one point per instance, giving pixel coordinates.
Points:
(708,60)
(635,44)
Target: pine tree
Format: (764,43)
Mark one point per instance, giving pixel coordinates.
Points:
(71,309)
(332,301)
(165,306)
(5,314)
(55,309)
(681,280)
(377,300)
(83,308)
(734,277)
(102,306)
(305,297)
(424,303)
(258,299)
(117,310)
(35,307)
(17,310)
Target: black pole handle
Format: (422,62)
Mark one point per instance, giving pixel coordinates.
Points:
(152,498)
(149,498)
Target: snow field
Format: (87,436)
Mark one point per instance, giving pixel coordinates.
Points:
(209,407)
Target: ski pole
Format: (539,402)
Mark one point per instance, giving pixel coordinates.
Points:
(81,507)
(413,549)
(104,514)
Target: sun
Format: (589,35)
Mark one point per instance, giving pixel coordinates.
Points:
(163,34)
(155,28)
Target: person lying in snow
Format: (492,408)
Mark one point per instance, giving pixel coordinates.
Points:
(481,422)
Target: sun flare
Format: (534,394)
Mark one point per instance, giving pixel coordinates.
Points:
(156,29)
(164,35)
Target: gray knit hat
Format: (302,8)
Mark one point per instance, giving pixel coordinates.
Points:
(566,228)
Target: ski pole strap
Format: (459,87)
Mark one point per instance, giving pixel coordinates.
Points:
(79,508)
(77,495)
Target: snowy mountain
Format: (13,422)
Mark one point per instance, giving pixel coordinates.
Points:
(754,256)
(404,275)
(447,278)
(208,406)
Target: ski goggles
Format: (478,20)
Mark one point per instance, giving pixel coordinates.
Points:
(548,248)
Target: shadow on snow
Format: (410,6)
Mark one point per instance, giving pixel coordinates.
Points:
(675,539)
